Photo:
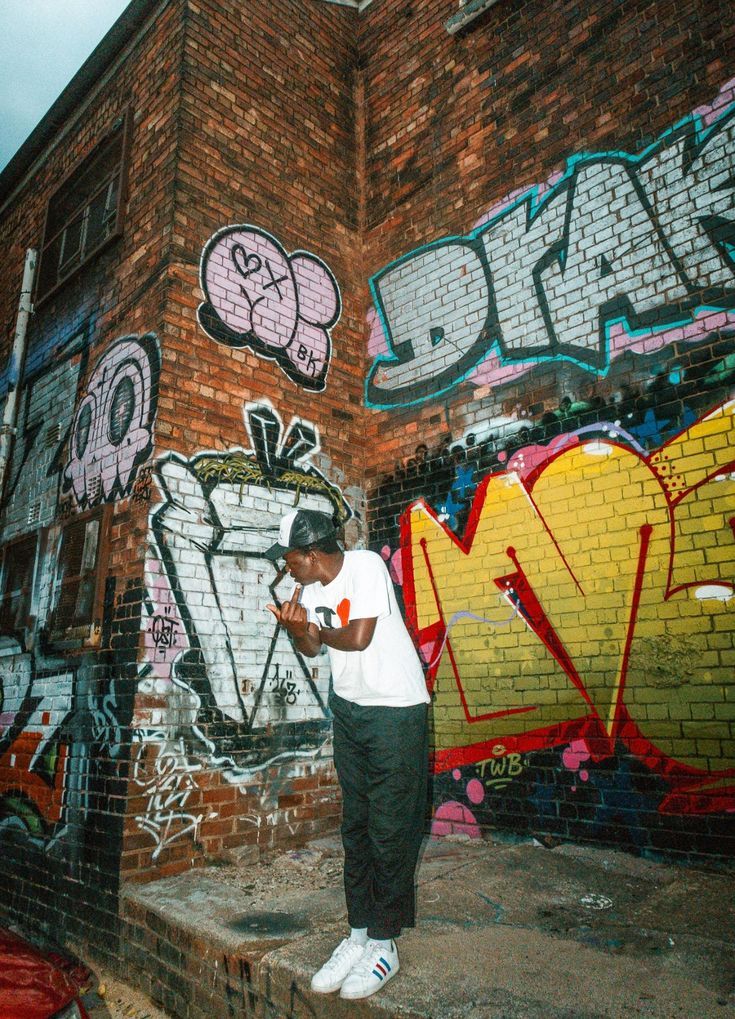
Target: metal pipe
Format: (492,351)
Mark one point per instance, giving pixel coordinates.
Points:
(15,365)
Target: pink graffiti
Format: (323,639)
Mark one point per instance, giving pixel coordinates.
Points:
(376,343)
(280,305)
(711,112)
(426,650)
(454,818)
(492,371)
(703,323)
(574,755)
(527,460)
(164,635)
(396,567)
(475,791)
(395,564)
(112,432)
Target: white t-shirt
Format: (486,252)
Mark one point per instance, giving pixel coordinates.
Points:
(388,671)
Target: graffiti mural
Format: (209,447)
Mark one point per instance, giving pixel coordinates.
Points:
(588,604)
(233,680)
(63,718)
(63,725)
(281,306)
(618,253)
(164,776)
(35,708)
(46,410)
(112,431)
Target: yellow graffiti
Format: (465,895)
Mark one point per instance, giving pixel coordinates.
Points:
(621,569)
(497,772)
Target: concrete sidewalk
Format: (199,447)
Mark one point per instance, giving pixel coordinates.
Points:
(508,930)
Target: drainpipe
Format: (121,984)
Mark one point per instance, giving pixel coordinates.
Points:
(15,365)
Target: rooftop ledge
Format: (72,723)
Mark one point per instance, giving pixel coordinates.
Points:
(468,11)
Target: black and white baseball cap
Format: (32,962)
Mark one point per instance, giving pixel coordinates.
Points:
(299,529)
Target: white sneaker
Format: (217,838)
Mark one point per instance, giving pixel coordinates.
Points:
(372,971)
(332,974)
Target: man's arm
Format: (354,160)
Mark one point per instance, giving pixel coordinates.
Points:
(354,637)
(308,637)
(309,644)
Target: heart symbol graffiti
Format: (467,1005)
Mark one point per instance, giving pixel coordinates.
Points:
(283,306)
(247,265)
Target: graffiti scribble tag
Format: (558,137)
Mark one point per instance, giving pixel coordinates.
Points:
(281,306)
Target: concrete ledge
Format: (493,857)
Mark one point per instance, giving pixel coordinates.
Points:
(511,929)
(467,14)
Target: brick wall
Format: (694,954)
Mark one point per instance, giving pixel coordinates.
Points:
(76,498)
(551,349)
(259,410)
(186,723)
(187,720)
(539,439)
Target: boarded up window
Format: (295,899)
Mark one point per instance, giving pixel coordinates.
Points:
(78,580)
(86,211)
(19,561)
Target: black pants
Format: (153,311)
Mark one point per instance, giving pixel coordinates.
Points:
(381,756)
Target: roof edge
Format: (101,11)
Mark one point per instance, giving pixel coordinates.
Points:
(124,29)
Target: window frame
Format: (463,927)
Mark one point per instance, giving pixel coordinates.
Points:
(86,633)
(27,620)
(82,256)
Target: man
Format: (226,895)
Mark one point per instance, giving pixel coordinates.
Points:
(345,601)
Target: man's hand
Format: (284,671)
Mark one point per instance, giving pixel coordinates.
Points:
(292,615)
(293,618)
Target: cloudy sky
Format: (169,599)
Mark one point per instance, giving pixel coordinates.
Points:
(43,43)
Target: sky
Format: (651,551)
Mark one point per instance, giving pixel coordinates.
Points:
(43,43)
